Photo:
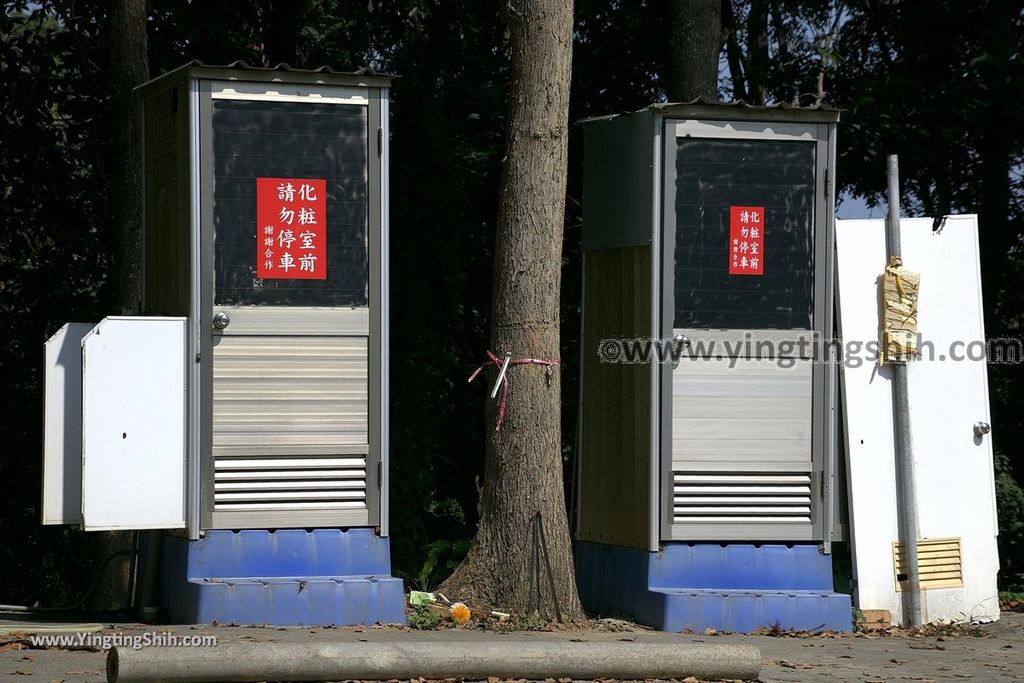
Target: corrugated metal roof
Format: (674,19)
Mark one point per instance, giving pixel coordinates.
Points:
(710,104)
(711,101)
(284,66)
(241,70)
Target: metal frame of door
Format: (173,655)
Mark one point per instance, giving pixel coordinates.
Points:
(823,394)
(375,316)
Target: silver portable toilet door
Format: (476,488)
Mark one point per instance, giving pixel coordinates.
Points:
(291,386)
(745,278)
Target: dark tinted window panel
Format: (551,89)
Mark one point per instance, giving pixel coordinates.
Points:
(712,176)
(254,139)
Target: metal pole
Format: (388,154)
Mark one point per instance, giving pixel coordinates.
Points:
(906,494)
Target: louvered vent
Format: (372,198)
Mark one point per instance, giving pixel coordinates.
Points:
(938,561)
(309,482)
(289,395)
(729,498)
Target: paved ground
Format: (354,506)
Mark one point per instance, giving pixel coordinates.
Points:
(997,655)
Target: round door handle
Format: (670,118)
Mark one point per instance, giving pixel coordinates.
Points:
(221,320)
(982,428)
(681,339)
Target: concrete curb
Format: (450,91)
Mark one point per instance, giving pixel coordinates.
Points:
(239,662)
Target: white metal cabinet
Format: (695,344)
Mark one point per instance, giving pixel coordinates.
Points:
(134,428)
(62,430)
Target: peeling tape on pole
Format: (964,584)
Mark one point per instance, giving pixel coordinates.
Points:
(899,312)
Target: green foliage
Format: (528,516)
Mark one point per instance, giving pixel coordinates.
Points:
(524,622)
(799,38)
(423,618)
(54,256)
(858,619)
(434,570)
(1010,503)
(842,567)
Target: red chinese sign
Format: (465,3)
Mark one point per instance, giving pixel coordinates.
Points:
(291,228)
(746,240)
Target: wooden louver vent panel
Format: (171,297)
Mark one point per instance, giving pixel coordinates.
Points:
(938,561)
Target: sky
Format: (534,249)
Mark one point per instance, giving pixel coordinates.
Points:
(856,207)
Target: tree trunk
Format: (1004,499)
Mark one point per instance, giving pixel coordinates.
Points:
(128,68)
(757,52)
(523,468)
(733,52)
(693,49)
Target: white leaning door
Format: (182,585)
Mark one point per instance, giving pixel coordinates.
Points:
(948,392)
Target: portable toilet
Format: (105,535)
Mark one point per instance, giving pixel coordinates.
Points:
(246,412)
(708,440)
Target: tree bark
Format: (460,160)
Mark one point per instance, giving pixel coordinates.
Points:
(757,52)
(523,467)
(733,53)
(128,68)
(693,49)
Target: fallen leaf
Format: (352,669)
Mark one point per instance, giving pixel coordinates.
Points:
(796,665)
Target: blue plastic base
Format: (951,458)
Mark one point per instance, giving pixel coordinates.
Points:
(289,577)
(737,588)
